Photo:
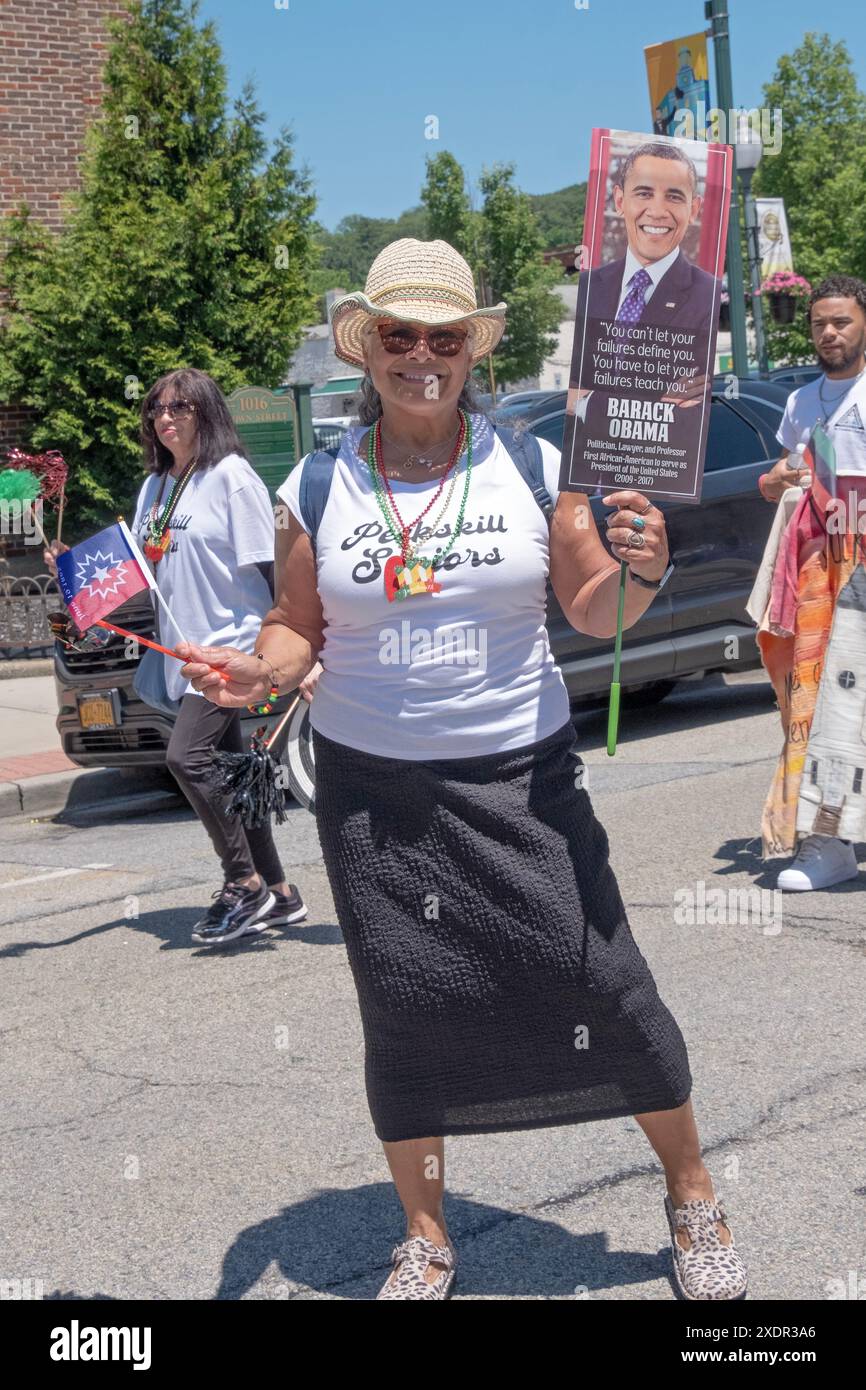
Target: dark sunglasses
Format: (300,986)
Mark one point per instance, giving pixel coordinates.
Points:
(177,410)
(398,338)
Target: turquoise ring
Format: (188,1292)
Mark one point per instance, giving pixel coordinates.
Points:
(638,523)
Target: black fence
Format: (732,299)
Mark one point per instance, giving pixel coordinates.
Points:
(25,603)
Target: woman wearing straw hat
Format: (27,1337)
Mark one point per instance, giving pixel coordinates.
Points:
(499,984)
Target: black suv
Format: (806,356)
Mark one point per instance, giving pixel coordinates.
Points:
(696,624)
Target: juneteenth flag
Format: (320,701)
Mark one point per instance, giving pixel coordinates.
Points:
(101,573)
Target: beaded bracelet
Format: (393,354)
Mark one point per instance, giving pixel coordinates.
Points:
(273,693)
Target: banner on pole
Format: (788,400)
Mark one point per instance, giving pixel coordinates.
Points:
(679,80)
(647,315)
(774,243)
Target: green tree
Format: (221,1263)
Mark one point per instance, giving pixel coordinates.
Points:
(502,243)
(511,268)
(188,244)
(349,251)
(819,170)
(449,213)
(560,215)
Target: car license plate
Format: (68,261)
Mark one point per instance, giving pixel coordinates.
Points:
(98,711)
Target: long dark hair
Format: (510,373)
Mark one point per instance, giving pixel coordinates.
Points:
(370,402)
(215,427)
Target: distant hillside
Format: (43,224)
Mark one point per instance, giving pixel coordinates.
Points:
(348,251)
(560,214)
(354,245)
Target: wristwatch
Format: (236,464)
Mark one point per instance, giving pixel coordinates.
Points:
(653,584)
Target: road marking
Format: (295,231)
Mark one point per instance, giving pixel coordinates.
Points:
(55,873)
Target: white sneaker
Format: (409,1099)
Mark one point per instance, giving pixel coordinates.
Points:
(822,861)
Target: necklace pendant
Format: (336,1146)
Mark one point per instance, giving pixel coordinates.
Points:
(404,580)
(155,549)
(415,579)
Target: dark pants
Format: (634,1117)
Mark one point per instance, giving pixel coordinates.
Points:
(201,728)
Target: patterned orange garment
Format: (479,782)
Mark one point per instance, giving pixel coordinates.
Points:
(794,666)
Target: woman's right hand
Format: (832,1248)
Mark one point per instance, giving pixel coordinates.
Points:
(248,680)
(50,555)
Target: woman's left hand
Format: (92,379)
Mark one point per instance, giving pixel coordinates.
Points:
(648,553)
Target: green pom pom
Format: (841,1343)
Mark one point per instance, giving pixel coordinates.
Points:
(19,484)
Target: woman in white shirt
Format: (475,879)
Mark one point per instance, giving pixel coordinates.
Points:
(205,523)
(498,981)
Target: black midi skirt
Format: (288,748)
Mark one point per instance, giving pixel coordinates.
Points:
(499,984)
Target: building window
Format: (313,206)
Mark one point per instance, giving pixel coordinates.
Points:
(858,780)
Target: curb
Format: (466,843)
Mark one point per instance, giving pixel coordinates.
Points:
(38,666)
(88,789)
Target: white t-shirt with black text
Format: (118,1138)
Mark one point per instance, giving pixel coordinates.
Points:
(464,672)
(223,527)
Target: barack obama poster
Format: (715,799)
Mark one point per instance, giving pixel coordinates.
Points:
(647,315)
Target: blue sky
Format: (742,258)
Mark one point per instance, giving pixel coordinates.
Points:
(516,80)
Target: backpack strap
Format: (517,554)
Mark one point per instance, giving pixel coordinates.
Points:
(316,478)
(523,448)
(526,455)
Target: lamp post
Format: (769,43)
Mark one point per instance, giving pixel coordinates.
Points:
(717,12)
(749,151)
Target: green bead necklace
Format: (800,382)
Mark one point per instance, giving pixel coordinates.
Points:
(408,574)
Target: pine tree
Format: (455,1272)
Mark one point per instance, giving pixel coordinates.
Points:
(188,244)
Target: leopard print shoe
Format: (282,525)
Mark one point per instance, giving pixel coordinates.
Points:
(410,1259)
(708,1270)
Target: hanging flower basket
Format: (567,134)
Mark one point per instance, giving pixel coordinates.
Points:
(783,307)
(784,291)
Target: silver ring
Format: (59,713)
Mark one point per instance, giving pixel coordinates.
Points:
(636,540)
(638,522)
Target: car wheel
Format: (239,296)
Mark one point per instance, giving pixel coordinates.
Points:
(294,748)
(650,694)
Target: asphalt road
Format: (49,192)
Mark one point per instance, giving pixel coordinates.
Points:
(186,1123)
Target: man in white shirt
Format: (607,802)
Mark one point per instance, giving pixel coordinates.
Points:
(836,401)
(837,398)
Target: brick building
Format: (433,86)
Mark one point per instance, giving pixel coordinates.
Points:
(51,59)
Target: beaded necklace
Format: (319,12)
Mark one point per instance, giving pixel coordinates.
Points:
(158,533)
(408,574)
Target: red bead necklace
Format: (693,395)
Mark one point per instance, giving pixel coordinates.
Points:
(405,531)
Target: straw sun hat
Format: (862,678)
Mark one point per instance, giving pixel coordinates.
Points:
(420,282)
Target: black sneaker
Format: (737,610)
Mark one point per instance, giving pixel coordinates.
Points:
(235,908)
(287,908)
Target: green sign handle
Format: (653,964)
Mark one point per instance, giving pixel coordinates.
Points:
(613,706)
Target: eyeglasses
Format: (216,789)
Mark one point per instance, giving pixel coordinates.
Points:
(177,410)
(398,338)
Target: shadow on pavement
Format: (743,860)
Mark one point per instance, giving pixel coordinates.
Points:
(690,701)
(340,1241)
(744,857)
(173,926)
